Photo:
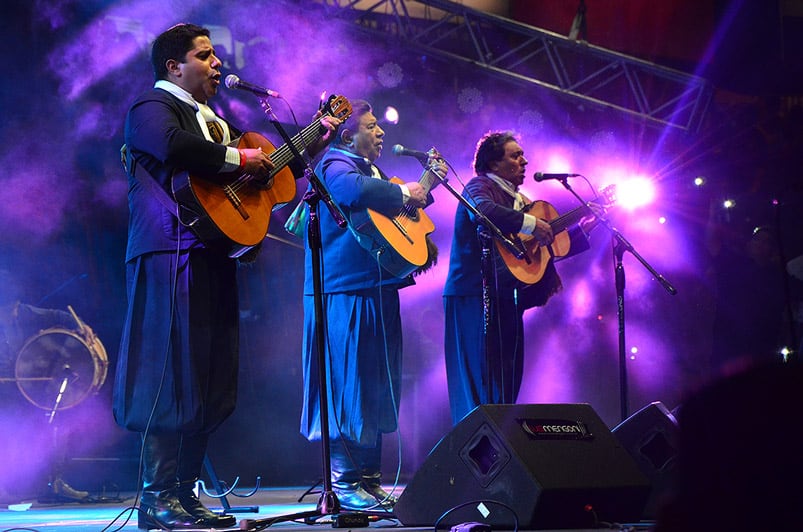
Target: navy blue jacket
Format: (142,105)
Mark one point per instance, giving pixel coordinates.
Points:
(465,265)
(151,227)
(347,266)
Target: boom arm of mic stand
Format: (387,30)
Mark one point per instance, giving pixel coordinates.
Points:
(627,246)
(323,194)
(622,241)
(317,185)
(483,220)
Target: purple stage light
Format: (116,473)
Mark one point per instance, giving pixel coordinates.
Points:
(391,115)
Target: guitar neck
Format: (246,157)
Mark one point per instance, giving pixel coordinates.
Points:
(563,222)
(428,180)
(283,155)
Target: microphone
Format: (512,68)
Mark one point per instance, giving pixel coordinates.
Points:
(233,81)
(541,176)
(400,150)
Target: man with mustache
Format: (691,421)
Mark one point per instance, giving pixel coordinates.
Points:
(485,367)
(363,323)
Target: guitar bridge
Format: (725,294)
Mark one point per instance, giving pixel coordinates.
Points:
(523,249)
(402,230)
(235,201)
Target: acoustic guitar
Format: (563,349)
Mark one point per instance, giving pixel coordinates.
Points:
(531,267)
(233,210)
(399,242)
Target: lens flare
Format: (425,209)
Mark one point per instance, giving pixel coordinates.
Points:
(635,192)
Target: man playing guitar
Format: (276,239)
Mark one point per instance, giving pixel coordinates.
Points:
(361,302)
(484,301)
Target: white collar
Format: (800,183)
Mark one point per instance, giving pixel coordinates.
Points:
(506,185)
(177,91)
(203,112)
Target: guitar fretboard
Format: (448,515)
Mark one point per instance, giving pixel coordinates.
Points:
(283,155)
(561,223)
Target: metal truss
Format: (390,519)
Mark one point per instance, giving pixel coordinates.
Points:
(521,53)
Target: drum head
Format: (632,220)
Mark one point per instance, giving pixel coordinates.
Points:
(57,369)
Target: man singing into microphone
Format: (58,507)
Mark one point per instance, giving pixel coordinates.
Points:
(363,323)
(176,378)
(486,367)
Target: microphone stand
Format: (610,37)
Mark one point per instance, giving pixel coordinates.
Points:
(620,245)
(328,504)
(485,230)
(515,248)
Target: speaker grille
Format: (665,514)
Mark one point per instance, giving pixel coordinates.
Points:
(485,455)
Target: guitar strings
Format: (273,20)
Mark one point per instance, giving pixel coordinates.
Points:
(284,156)
(409,212)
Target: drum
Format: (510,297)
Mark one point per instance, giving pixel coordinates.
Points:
(58,368)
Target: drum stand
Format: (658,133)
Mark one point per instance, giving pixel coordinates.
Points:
(59,490)
(53,373)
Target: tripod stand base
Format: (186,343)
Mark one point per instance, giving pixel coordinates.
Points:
(328,503)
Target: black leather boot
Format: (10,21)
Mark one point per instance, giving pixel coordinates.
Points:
(159,506)
(190,459)
(370,468)
(347,481)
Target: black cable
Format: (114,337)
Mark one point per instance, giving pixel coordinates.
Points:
(173,285)
(480,501)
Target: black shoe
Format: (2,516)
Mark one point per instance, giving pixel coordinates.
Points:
(356,498)
(206,517)
(162,509)
(382,496)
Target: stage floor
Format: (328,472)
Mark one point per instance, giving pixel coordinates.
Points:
(117,515)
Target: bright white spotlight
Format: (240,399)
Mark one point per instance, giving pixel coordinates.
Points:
(634,193)
(699,181)
(391,115)
(729,204)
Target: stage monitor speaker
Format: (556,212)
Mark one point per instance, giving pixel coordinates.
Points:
(651,436)
(552,465)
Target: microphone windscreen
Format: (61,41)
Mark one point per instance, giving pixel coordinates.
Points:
(232,80)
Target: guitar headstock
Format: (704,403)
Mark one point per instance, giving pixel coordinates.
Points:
(607,197)
(434,172)
(338,107)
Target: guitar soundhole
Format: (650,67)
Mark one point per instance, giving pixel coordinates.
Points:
(411,213)
(262,184)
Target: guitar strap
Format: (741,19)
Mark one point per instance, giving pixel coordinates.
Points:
(130,166)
